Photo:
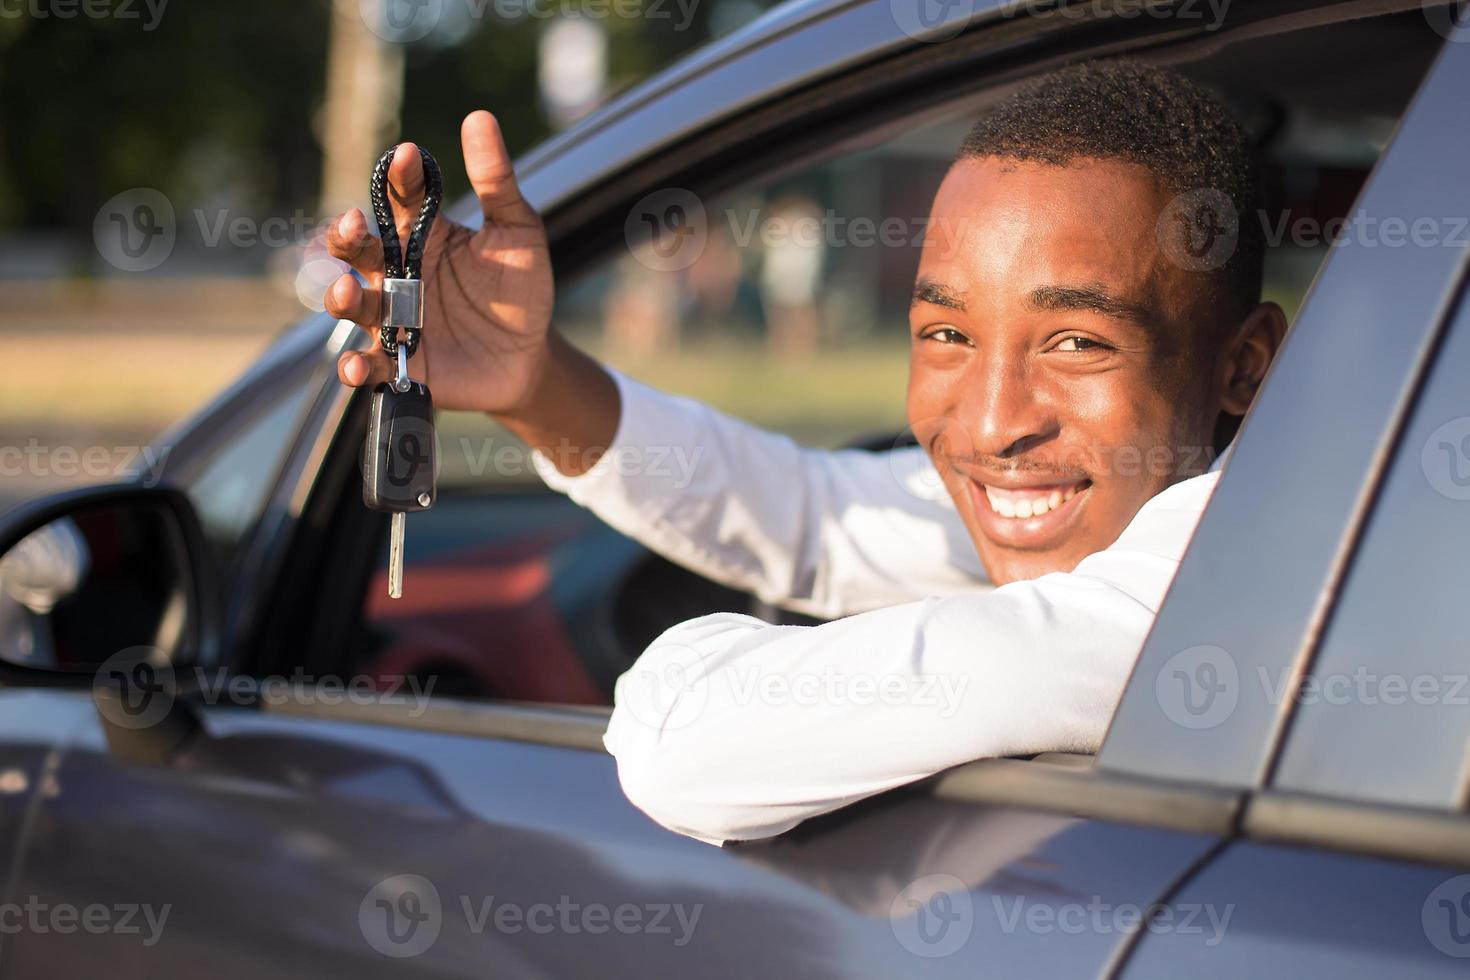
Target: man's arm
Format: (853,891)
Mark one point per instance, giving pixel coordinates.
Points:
(821,532)
(826,533)
(730,729)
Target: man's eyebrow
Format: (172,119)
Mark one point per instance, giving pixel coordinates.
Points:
(1094,298)
(932,291)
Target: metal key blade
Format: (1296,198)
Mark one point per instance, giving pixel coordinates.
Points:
(395,555)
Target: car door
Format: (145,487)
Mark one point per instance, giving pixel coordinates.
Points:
(310,827)
(1350,708)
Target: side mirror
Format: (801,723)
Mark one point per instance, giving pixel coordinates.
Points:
(104,572)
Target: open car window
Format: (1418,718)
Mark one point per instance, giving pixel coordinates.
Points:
(791,315)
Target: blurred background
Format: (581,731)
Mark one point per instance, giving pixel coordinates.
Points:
(165,168)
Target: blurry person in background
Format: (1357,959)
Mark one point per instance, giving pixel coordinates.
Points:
(791,276)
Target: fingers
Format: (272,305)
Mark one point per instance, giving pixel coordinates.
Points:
(487,164)
(346,299)
(350,240)
(357,369)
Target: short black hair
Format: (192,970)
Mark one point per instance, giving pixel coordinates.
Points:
(1170,125)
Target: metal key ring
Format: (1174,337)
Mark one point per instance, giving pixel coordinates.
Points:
(402,382)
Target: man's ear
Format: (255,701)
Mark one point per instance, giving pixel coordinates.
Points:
(1249,355)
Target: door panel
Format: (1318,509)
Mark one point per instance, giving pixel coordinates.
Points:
(273,841)
(1301,913)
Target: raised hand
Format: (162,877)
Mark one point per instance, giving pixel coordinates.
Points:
(487,344)
(487,293)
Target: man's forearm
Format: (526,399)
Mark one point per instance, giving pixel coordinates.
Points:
(571,412)
(728,728)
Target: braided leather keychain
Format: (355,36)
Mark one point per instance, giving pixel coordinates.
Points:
(403,305)
(400,457)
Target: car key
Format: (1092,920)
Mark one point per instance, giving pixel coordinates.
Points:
(400,461)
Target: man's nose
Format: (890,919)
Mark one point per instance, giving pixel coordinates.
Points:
(1012,412)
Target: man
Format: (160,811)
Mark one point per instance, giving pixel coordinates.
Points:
(1078,357)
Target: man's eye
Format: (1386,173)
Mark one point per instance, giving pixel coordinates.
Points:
(947,335)
(1077,345)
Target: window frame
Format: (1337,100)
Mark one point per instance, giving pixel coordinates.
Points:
(711,125)
(1344,433)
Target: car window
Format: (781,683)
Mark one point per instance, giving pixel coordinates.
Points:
(790,313)
(1383,715)
(230,490)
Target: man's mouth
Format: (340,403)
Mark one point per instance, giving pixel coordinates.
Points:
(1032,501)
(1039,516)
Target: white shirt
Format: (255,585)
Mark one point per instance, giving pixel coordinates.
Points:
(729,728)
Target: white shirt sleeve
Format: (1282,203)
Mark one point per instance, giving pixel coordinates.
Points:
(827,533)
(728,728)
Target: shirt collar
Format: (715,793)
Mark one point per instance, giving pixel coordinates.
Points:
(1221,459)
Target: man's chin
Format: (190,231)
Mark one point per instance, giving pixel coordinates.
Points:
(1019,548)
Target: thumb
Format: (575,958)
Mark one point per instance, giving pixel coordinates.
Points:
(487,164)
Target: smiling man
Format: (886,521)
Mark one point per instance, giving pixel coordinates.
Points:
(1081,350)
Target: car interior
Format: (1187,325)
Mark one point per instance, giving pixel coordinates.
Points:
(515,593)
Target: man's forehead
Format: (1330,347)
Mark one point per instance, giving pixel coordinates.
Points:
(1085,198)
(1000,225)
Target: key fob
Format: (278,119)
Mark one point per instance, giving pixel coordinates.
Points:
(399,457)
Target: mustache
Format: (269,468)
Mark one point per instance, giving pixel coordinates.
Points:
(969,463)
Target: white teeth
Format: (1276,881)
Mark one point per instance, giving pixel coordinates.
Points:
(1017,504)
